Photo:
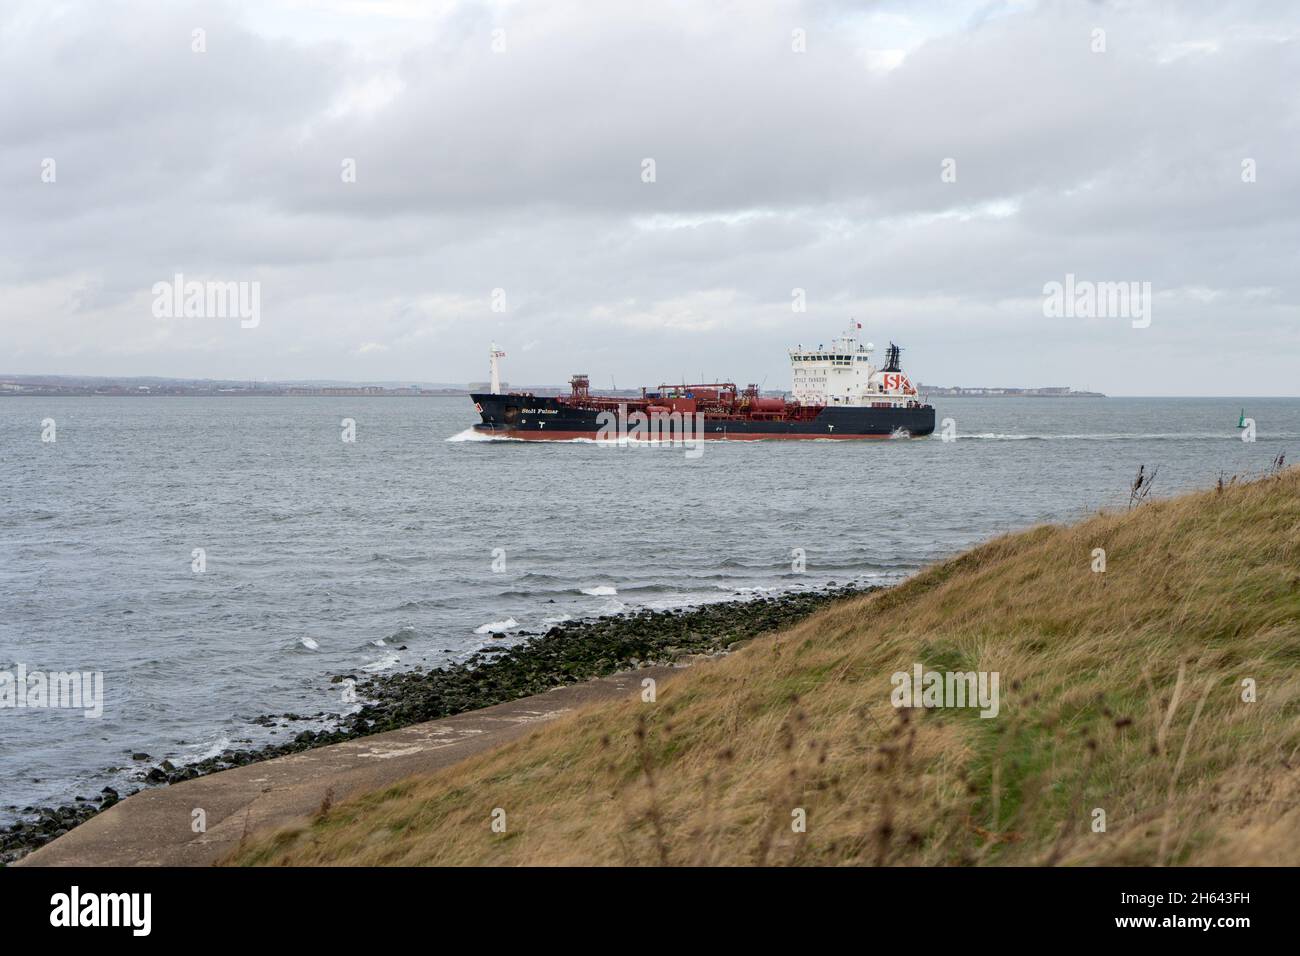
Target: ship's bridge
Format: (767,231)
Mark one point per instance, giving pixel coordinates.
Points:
(842,374)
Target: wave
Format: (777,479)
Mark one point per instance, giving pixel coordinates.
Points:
(387,662)
(380,558)
(671,585)
(220,744)
(470,434)
(496,626)
(309,643)
(404,632)
(1112,436)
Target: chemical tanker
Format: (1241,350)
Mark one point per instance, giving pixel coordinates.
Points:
(837,394)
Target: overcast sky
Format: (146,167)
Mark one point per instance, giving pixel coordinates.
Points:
(502,146)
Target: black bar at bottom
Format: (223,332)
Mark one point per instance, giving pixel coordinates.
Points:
(233,907)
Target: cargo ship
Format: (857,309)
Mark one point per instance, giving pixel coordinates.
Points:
(837,393)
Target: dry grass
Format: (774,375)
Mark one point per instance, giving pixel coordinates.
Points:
(1120,691)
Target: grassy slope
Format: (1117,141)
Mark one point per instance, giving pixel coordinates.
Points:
(1106,680)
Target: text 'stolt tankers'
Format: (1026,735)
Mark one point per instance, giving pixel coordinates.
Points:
(837,393)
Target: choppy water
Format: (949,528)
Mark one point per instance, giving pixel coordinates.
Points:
(325,557)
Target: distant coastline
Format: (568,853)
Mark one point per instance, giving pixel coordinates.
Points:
(956,391)
(140,387)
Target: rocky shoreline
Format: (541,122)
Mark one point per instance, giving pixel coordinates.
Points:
(566,654)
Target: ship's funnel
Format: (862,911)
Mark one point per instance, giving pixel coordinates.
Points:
(892,359)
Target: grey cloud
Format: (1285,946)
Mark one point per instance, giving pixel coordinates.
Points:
(520,170)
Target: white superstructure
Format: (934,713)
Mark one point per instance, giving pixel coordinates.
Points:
(843,375)
(494,368)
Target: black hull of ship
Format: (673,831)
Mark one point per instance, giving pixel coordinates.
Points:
(535,418)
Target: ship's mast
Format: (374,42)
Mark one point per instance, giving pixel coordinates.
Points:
(495,370)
